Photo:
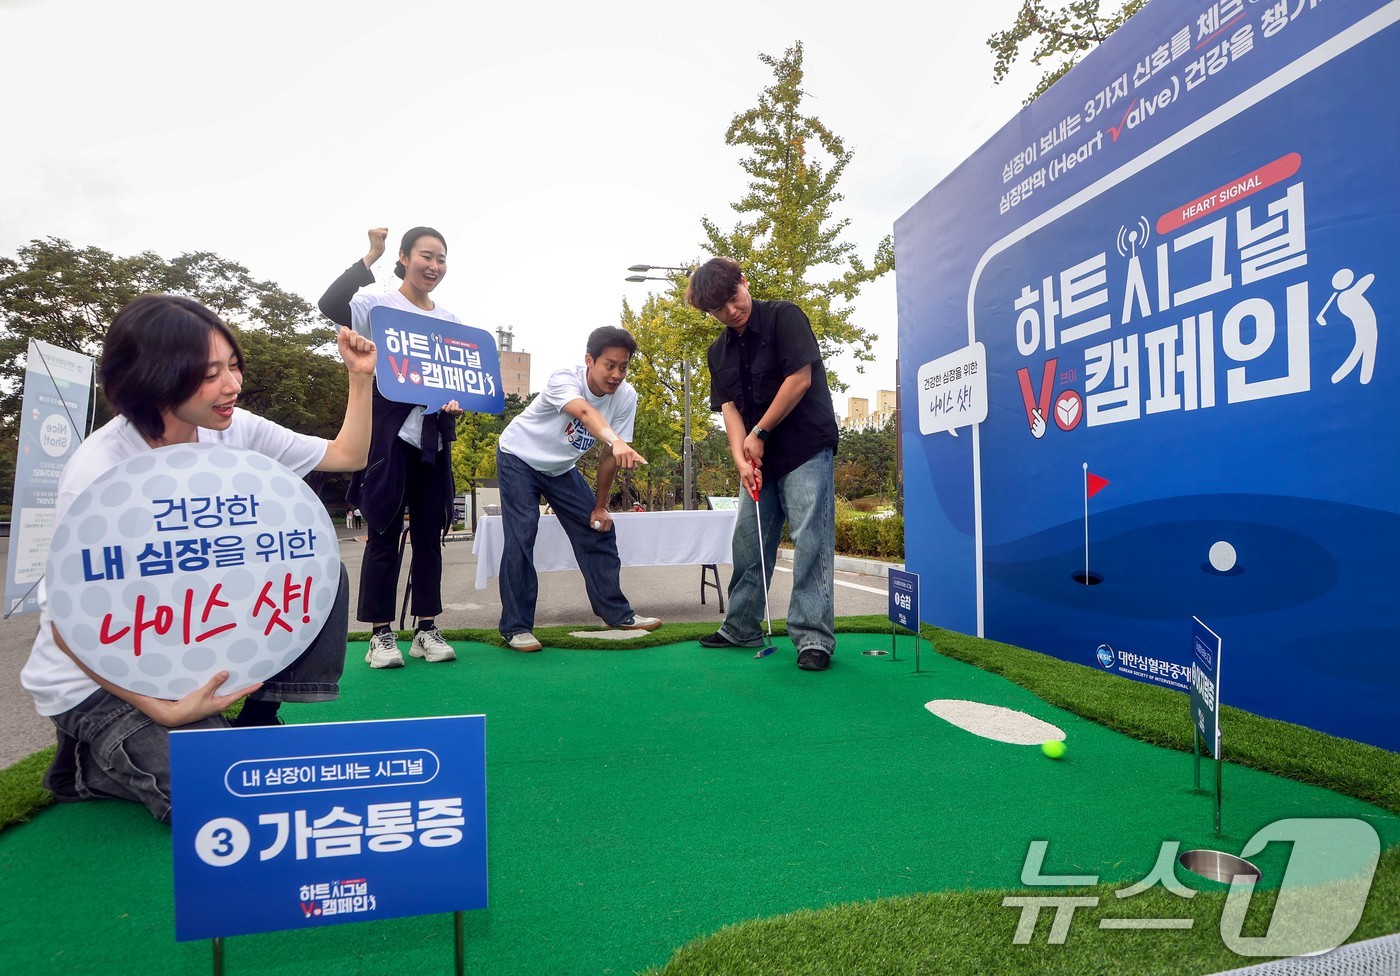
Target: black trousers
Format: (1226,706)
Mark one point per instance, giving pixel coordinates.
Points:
(424,494)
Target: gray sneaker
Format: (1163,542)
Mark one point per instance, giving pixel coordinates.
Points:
(430,645)
(384,651)
(524,641)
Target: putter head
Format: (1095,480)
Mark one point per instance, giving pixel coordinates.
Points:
(764,651)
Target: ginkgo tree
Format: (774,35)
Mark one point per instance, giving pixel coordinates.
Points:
(1061,36)
(668,332)
(788,238)
(792,246)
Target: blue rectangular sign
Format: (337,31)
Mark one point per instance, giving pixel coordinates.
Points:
(904,599)
(432,361)
(307,825)
(1205,685)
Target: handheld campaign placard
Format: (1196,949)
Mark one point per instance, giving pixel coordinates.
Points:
(431,361)
(307,825)
(189,559)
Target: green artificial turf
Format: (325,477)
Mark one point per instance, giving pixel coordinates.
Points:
(651,795)
(22,793)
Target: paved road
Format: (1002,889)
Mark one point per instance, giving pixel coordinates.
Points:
(671,593)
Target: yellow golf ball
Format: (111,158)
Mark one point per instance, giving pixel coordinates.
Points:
(1055,748)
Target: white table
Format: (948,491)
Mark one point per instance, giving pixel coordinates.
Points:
(643,539)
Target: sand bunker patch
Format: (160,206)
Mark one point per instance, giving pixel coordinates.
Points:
(608,634)
(995,722)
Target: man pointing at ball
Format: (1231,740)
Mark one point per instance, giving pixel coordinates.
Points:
(537,455)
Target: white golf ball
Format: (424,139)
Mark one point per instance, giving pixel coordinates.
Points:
(1222,557)
(597,524)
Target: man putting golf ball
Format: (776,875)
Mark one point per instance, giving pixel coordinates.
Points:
(768,382)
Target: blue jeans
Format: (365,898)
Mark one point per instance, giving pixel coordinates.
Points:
(596,552)
(109,748)
(806,500)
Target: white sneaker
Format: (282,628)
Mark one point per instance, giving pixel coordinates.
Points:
(429,644)
(638,622)
(524,641)
(384,651)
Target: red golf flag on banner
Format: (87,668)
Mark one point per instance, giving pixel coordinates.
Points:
(1093,483)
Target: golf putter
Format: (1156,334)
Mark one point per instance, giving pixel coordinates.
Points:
(768,648)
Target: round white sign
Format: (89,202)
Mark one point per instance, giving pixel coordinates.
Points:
(190,559)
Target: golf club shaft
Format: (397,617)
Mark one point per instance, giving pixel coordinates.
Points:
(763,567)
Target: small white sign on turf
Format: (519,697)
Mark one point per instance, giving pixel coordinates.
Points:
(953,390)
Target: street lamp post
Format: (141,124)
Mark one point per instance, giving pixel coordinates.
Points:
(686,446)
(660,267)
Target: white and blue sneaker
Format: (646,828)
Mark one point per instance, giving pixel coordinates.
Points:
(432,646)
(638,622)
(383,650)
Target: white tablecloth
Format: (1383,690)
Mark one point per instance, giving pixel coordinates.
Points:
(643,539)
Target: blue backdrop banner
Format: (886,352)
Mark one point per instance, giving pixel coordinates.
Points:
(1141,325)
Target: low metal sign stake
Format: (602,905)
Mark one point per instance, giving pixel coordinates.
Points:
(1196,752)
(461,943)
(1206,647)
(1219,773)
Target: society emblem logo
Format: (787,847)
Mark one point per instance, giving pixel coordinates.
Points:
(1105,655)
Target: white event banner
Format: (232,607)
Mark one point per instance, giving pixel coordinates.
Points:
(57,393)
(190,559)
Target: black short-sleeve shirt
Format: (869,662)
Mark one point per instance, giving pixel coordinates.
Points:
(748,369)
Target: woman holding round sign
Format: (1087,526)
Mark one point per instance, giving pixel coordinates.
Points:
(184,468)
(410,458)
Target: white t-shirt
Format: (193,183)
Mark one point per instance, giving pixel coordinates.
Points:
(360,305)
(549,440)
(52,677)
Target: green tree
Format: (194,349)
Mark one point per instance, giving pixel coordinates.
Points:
(668,332)
(474,450)
(865,463)
(66,295)
(715,472)
(788,240)
(791,246)
(1061,37)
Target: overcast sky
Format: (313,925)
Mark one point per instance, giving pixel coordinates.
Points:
(553,143)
